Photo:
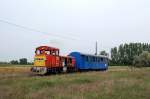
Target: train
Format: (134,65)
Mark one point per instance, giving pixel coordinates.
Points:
(48,60)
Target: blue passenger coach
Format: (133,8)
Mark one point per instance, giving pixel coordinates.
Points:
(90,62)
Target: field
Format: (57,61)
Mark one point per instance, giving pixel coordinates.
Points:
(116,83)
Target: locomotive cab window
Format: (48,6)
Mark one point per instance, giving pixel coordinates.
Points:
(55,53)
(47,52)
(37,52)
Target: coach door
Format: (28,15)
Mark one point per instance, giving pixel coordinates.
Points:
(64,63)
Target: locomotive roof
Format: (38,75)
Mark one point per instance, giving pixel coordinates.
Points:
(47,48)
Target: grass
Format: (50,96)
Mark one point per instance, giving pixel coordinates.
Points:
(11,65)
(116,83)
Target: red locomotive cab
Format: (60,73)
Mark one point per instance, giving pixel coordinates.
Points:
(45,58)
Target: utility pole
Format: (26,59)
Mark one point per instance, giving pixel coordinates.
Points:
(96,48)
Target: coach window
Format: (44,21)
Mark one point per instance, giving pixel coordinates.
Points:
(92,59)
(102,59)
(87,58)
(99,59)
(84,58)
(96,59)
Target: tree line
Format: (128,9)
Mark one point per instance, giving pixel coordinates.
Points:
(137,54)
(22,61)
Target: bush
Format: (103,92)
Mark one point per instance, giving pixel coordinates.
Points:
(14,62)
(143,60)
(23,61)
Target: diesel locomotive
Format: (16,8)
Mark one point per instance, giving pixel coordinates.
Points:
(48,60)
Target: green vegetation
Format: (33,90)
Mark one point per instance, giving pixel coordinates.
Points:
(142,60)
(116,83)
(125,53)
(15,62)
(22,61)
(104,53)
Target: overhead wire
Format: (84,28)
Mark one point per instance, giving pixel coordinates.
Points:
(35,30)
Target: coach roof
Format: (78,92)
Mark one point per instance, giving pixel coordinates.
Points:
(84,54)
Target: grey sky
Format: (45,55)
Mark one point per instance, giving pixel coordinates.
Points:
(110,22)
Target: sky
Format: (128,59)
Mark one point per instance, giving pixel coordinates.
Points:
(71,25)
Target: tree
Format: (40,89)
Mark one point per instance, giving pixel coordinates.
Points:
(104,53)
(14,62)
(23,61)
(114,56)
(143,60)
